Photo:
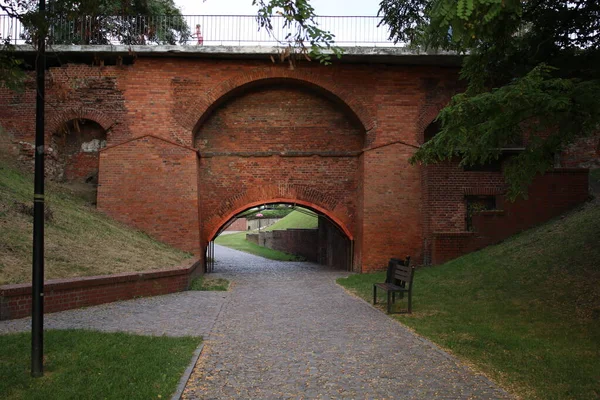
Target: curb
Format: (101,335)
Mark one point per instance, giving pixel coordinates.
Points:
(188,372)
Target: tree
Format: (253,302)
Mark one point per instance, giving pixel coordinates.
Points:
(87,22)
(308,40)
(531,69)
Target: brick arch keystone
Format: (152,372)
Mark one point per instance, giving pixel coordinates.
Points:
(54,122)
(231,214)
(192,117)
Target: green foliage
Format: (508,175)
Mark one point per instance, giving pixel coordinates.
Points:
(531,71)
(279,211)
(103,21)
(11,74)
(525,312)
(297,220)
(476,127)
(92,365)
(307,39)
(237,241)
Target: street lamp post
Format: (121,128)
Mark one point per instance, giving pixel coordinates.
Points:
(259,216)
(37,282)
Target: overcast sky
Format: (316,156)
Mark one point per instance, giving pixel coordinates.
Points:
(245,7)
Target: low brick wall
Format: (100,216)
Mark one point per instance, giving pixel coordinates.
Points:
(252,238)
(65,294)
(302,242)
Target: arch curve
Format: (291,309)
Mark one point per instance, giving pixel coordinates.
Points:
(60,118)
(307,204)
(201,108)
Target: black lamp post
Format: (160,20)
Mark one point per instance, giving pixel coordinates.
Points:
(259,216)
(37,295)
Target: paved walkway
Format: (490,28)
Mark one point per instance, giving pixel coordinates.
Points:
(288,331)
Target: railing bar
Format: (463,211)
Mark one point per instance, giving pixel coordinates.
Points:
(217,29)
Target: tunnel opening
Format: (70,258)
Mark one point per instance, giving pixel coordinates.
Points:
(304,233)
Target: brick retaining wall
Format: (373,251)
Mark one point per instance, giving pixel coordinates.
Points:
(65,294)
(301,242)
(549,196)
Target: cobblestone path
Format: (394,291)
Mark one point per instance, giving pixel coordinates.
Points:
(178,314)
(287,330)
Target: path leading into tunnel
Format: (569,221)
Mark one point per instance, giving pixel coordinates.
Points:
(287,330)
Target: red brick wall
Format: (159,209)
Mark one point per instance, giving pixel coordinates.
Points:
(583,153)
(448,185)
(271,142)
(240,224)
(346,133)
(151,184)
(549,196)
(302,242)
(66,294)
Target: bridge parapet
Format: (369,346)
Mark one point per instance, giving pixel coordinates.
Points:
(197,30)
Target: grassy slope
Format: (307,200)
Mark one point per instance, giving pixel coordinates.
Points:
(93,365)
(238,241)
(296,220)
(79,240)
(526,311)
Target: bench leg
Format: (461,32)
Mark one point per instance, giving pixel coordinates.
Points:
(389,303)
(393,297)
(410,301)
(374,294)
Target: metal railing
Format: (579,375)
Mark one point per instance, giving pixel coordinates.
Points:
(198,30)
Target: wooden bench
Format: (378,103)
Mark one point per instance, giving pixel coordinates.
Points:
(399,279)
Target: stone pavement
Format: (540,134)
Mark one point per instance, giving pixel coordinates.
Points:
(177,314)
(287,330)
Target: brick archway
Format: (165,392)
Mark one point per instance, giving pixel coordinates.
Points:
(193,116)
(58,119)
(306,204)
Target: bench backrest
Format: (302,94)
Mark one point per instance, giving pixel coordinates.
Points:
(393,265)
(403,275)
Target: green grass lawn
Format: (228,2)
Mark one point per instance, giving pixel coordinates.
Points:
(93,365)
(79,241)
(202,283)
(525,312)
(295,219)
(238,241)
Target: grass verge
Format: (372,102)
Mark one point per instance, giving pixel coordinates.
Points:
(209,284)
(526,312)
(79,241)
(93,365)
(238,241)
(296,220)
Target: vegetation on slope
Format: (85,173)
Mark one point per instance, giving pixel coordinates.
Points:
(79,240)
(237,241)
(82,364)
(297,220)
(526,312)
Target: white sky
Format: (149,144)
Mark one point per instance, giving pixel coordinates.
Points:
(245,7)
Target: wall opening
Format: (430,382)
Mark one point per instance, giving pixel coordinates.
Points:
(73,156)
(302,232)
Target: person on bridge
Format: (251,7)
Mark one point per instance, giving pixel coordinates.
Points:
(199,36)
